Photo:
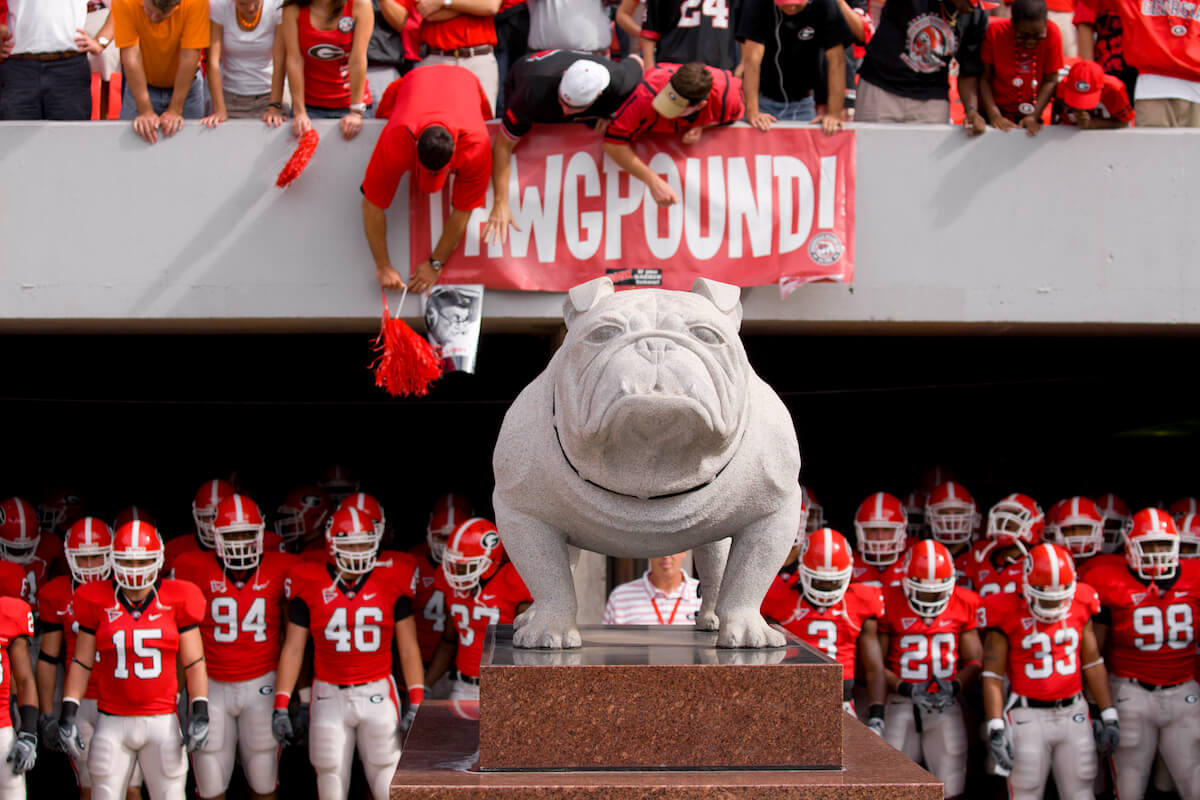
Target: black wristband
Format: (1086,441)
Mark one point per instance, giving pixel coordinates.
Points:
(875,711)
(905,689)
(29,719)
(275,105)
(67,715)
(199,709)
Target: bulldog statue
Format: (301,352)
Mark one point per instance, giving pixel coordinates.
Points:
(649,434)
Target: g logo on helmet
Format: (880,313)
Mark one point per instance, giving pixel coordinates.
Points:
(326,52)
(1082,86)
(310,501)
(490,539)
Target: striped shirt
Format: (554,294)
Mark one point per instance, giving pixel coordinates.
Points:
(640,602)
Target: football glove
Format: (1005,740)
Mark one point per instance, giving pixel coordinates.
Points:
(298,715)
(1109,734)
(23,754)
(197,730)
(281,726)
(70,741)
(1000,744)
(48,731)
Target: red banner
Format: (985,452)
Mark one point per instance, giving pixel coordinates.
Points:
(755,209)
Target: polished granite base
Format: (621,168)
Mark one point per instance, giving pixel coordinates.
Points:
(657,697)
(441,760)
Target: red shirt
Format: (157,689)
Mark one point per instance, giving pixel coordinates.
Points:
(243,620)
(1085,567)
(1152,633)
(494,602)
(36,571)
(1043,657)
(352,628)
(637,116)
(12,581)
(465,30)
(137,647)
(988,574)
(176,547)
(429,604)
(1018,71)
(440,94)
(15,620)
(57,613)
(1114,103)
(920,648)
(833,629)
(327,61)
(1157,36)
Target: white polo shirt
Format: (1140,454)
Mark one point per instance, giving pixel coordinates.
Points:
(45,26)
(641,603)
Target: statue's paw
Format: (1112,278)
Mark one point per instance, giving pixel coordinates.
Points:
(524,618)
(707,620)
(748,629)
(545,632)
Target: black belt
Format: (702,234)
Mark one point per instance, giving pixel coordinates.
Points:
(61,55)
(1154,687)
(1030,702)
(351,685)
(458,52)
(468,679)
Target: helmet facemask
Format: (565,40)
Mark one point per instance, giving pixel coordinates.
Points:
(240,548)
(463,573)
(824,587)
(1050,603)
(952,523)
(1153,556)
(1009,523)
(880,543)
(928,598)
(1081,538)
(203,519)
(140,575)
(355,552)
(81,573)
(20,552)
(1114,532)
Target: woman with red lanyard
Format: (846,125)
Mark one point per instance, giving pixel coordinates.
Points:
(326,44)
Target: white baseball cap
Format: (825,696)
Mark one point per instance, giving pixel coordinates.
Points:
(582,83)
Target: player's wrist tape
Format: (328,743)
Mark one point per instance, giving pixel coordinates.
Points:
(305,694)
(200,707)
(281,700)
(994,725)
(29,719)
(987,673)
(875,711)
(1109,715)
(69,706)
(904,689)
(1097,663)
(416,694)
(975,662)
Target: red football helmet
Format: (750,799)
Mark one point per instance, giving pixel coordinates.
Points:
(367,503)
(303,512)
(929,578)
(137,555)
(1076,524)
(237,528)
(88,538)
(914,511)
(816,512)
(58,509)
(1189,536)
(952,514)
(449,511)
(1179,509)
(132,514)
(204,508)
(353,541)
(1116,515)
(1049,582)
(881,526)
(473,554)
(1152,544)
(827,560)
(1016,519)
(19,531)
(338,483)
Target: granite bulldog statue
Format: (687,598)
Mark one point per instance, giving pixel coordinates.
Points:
(649,434)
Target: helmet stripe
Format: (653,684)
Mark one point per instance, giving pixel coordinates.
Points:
(828,547)
(1053,564)
(931,559)
(951,491)
(878,505)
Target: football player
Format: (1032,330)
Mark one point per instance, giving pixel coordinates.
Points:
(997,564)
(133,631)
(816,512)
(953,516)
(1189,536)
(18,746)
(1076,524)
(58,509)
(338,483)
(354,606)
(914,511)
(204,509)
(449,511)
(1182,507)
(1116,515)
(931,650)
(243,588)
(881,528)
(476,599)
(834,616)
(1042,640)
(1149,608)
(300,519)
(22,543)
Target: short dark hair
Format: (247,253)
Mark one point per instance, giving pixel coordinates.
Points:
(1028,10)
(165,5)
(692,81)
(435,147)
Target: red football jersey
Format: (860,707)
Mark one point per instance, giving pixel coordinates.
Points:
(891,575)
(1152,633)
(243,613)
(137,646)
(637,116)
(496,601)
(352,627)
(833,629)
(57,612)
(1043,657)
(12,581)
(16,619)
(1084,568)
(988,574)
(430,603)
(316,552)
(40,568)
(176,547)
(918,648)
(1158,36)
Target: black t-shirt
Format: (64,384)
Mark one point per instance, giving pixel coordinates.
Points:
(913,46)
(531,89)
(794,44)
(694,30)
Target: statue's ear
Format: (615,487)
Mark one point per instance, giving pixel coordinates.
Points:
(725,296)
(584,297)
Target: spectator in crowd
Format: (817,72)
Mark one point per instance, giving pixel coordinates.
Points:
(386,52)
(1099,40)
(160,43)
(1092,100)
(905,76)
(671,99)
(664,595)
(631,15)
(857,14)
(326,44)
(99,25)
(579,25)
(1021,59)
(788,37)
(1062,14)
(462,33)
(554,87)
(46,74)
(437,126)
(1164,48)
(245,62)
(512,41)
(680,33)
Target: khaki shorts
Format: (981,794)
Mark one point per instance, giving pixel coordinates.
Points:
(1166,113)
(879,105)
(246,106)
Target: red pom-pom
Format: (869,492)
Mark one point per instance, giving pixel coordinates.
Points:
(406,364)
(299,160)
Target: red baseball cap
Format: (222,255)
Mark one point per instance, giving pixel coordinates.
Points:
(1083,84)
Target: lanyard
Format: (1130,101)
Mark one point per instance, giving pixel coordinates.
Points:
(657,613)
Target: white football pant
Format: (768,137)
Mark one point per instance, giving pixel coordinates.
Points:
(461,690)
(1165,721)
(86,718)
(367,714)
(941,745)
(154,743)
(1061,738)
(239,725)
(12,787)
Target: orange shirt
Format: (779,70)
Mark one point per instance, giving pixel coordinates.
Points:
(184,28)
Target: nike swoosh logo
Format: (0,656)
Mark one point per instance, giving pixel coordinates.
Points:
(153,616)
(368,596)
(1022,721)
(258,587)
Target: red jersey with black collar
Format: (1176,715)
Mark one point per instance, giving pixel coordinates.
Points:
(890,576)
(832,629)
(637,117)
(352,625)
(1043,657)
(429,604)
(921,648)
(16,619)
(987,571)
(56,610)
(137,646)
(243,620)
(494,602)
(1152,624)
